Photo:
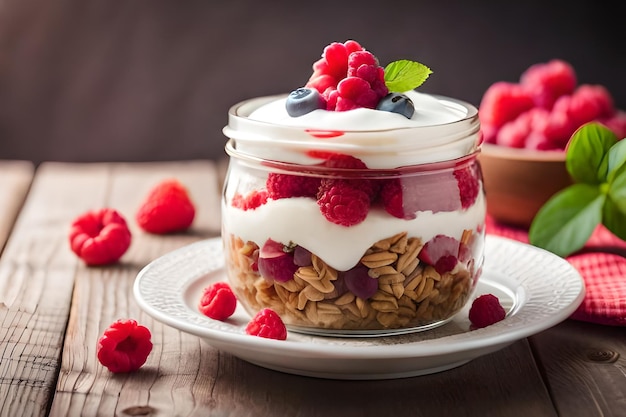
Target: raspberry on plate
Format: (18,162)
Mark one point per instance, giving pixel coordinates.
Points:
(166,209)
(124,346)
(218,301)
(268,324)
(99,237)
(485,311)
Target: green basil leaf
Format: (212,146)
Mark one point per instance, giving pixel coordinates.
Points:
(614,219)
(617,189)
(405,75)
(585,158)
(564,224)
(616,158)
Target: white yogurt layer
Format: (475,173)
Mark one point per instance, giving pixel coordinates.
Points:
(429,111)
(299,220)
(441,129)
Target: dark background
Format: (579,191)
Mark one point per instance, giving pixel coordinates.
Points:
(130,80)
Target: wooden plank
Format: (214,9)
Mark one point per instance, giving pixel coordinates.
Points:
(103,295)
(505,383)
(184,376)
(38,273)
(15,178)
(585,368)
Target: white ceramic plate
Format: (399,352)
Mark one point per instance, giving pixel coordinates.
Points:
(537,288)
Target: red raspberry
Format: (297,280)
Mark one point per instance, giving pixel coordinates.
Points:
(254,199)
(342,161)
(333,66)
(392,196)
(287,186)
(348,77)
(468,181)
(503,102)
(364,65)
(548,81)
(555,129)
(218,301)
(588,103)
(266,323)
(99,237)
(403,198)
(514,133)
(489,133)
(485,311)
(355,92)
(124,346)
(166,209)
(343,204)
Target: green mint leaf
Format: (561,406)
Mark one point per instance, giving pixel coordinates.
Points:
(585,159)
(564,224)
(617,189)
(616,158)
(614,219)
(405,75)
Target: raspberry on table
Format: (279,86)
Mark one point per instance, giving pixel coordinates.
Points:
(166,209)
(100,237)
(124,346)
(218,301)
(343,204)
(486,310)
(268,324)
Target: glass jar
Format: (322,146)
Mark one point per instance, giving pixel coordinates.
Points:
(354,232)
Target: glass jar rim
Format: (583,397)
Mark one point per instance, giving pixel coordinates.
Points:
(321,170)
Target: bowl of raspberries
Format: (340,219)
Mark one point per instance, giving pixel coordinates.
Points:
(526,127)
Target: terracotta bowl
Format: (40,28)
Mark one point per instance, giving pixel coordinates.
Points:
(519,181)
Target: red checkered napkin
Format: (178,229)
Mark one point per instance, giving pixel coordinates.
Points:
(602,268)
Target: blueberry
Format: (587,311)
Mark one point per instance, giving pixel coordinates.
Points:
(303,101)
(397,103)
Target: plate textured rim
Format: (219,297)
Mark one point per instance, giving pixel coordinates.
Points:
(552,287)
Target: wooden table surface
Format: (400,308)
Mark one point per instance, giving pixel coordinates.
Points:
(53,309)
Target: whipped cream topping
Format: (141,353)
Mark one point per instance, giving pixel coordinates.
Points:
(441,129)
(428,111)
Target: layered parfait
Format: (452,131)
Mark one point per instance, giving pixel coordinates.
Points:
(355,203)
